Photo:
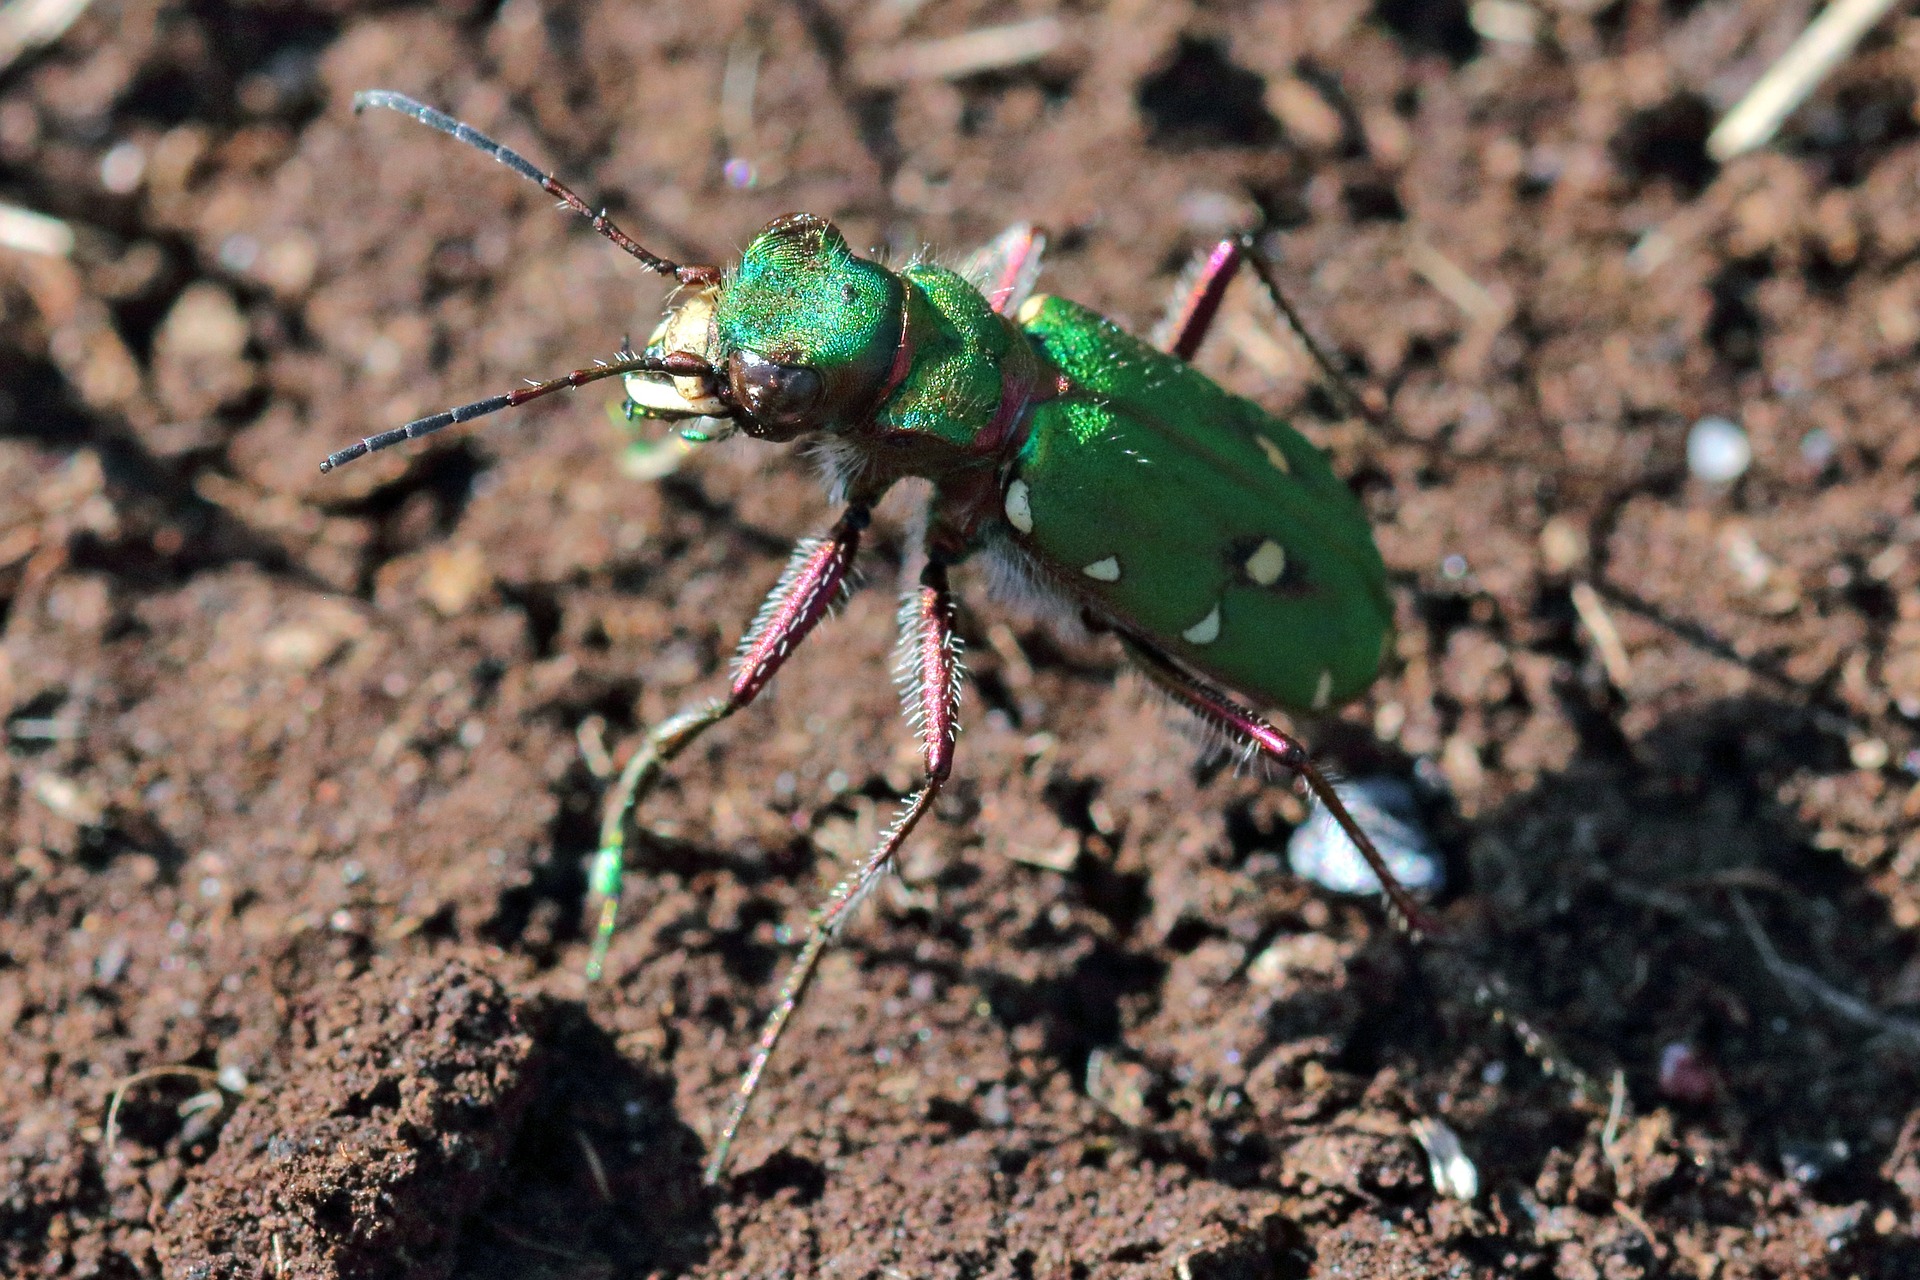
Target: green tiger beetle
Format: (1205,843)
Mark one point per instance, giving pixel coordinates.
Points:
(1095,474)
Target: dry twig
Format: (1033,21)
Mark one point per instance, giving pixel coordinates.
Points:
(1827,40)
(30,232)
(1606,637)
(112,1131)
(1802,981)
(972,53)
(29,24)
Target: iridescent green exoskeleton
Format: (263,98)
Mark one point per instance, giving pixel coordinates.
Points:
(1095,475)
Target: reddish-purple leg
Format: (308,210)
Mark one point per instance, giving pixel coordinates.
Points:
(814,582)
(1196,302)
(1005,270)
(1241,725)
(1196,299)
(929,675)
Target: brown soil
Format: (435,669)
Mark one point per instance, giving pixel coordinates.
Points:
(294,788)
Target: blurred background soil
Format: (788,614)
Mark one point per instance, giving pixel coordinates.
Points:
(300,772)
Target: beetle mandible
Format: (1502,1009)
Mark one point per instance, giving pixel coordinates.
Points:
(1095,473)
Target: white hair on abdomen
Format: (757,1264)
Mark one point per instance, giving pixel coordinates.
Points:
(1017,581)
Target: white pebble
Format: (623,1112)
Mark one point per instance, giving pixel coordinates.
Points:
(1386,810)
(1718,450)
(122,168)
(1817,448)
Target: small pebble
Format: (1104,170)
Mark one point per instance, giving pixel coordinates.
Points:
(1817,448)
(122,168)
(1685,1075)
(1451,1168)
(1871,754)
(238,251)
(1386,809)
(1718,450)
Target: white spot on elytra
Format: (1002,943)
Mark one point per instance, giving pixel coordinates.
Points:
(1277,458)
(1205,631)
(1323,692)
(1107,570)
(1030,309)
(1267,563)
(1020,506)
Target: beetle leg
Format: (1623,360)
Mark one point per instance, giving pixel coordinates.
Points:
(1005,270)
(1240,724)
(814,582)
(1196,299)
(929,675)
(1490,990)
(1196,302)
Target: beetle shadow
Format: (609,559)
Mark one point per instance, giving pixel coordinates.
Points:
(604,1176)
(1665,894)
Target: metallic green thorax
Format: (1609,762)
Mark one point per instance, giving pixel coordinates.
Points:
(1113,472)
(960,350)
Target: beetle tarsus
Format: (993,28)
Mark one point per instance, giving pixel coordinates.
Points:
(1225,713)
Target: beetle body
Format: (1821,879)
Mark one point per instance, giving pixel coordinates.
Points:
(1110,474)
(1100,473)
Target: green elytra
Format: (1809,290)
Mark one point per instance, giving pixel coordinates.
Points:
(1097,473)
(1134,483)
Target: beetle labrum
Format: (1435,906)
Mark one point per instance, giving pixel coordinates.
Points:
(1092,471)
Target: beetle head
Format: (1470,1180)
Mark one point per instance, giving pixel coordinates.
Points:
(807,330)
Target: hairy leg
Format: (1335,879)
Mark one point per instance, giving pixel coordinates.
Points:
(1196,302)
(1490,991)
(1224,712)
(1196,299)
(814,582)
(929,674)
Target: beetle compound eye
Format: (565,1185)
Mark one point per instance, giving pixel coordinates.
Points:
(777,395)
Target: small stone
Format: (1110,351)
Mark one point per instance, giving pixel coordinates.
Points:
(122,168)
(1563,545)
(454,577)
(1718,450)
(288,265)
(1386,810)
(1870,753)
(1817,448)
(1307,116)
(1685,1076)
(203,324)
(309,642)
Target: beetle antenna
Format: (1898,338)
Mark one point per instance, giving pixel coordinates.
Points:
(689,275)
(682,364)
(1343,387)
